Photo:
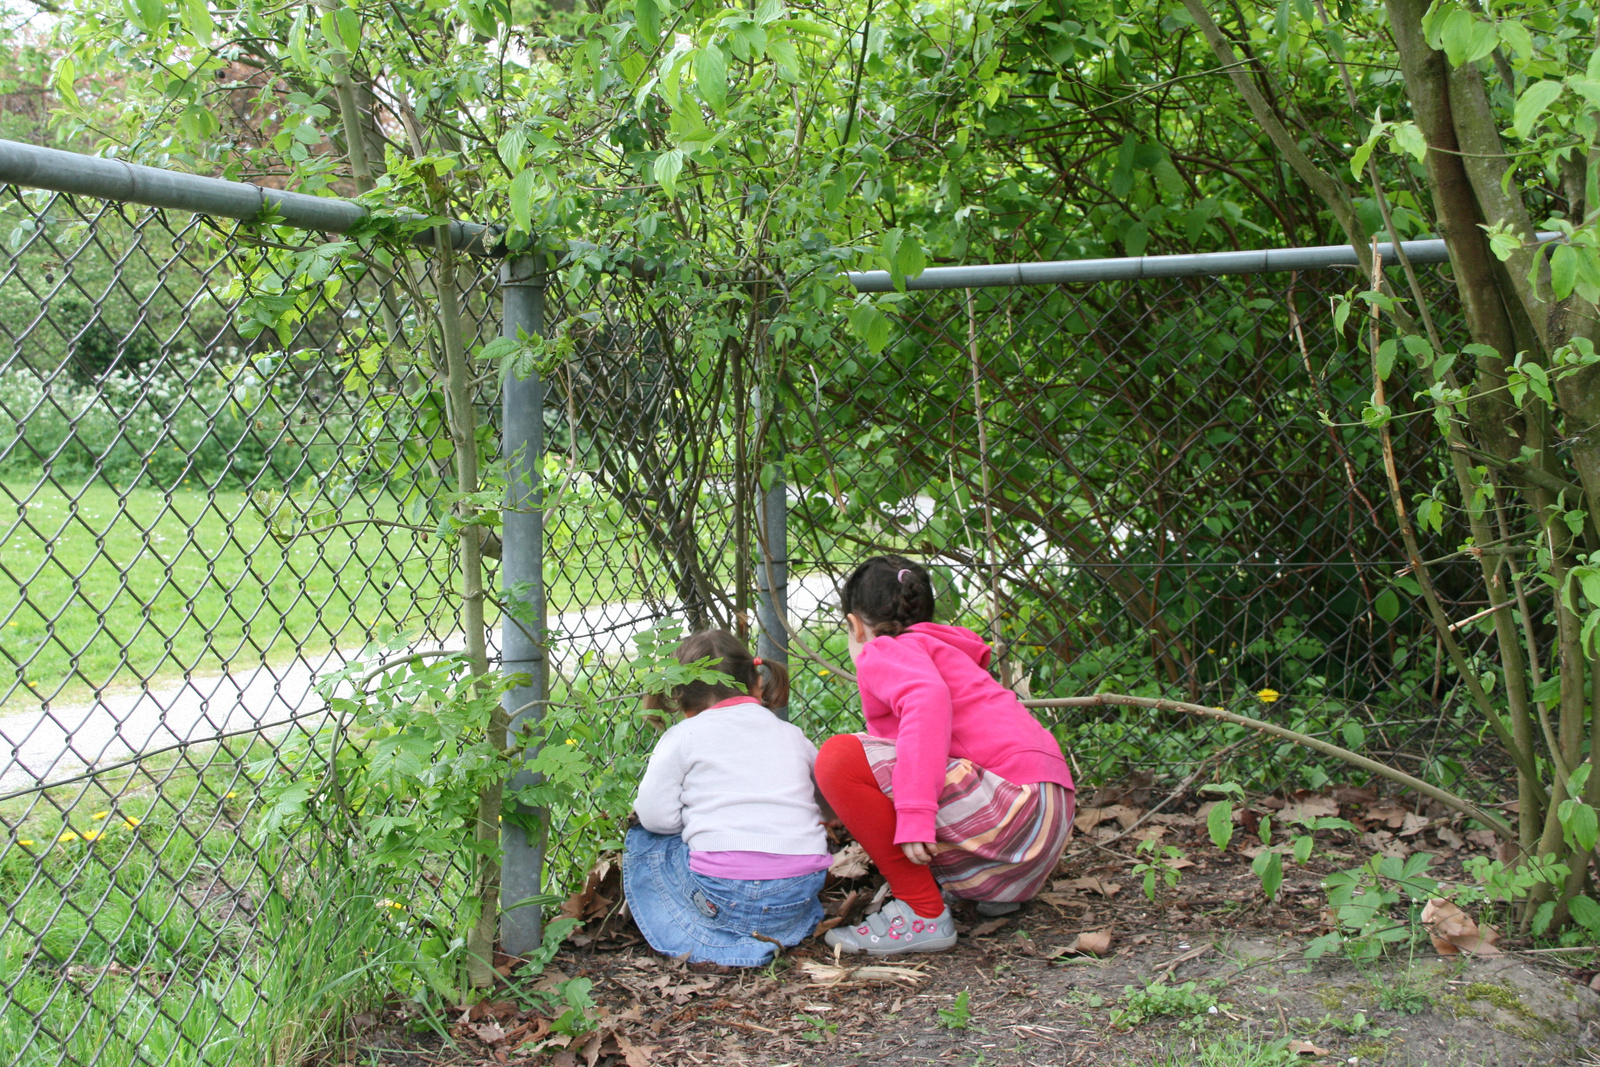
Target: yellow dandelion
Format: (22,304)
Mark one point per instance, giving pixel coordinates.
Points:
(25,842)
(97,816)
(1267,696)
(130,823)
(230,795)
(92,835)
(825,674)
(395,904)
(68,836)
(571,741)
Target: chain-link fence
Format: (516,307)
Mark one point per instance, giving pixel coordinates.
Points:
(205,513)
(1155,487)
(226,483)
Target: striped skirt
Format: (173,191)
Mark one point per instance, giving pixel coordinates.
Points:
(996,840)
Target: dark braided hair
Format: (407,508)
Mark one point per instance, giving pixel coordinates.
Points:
(889,594)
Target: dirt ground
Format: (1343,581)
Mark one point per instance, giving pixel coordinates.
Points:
(1229,963)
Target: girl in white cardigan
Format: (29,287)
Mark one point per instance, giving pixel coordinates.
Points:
(729,854)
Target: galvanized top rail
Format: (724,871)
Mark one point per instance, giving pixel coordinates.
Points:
(1062,271)
(134,183)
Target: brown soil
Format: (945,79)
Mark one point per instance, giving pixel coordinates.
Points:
(1031,1001)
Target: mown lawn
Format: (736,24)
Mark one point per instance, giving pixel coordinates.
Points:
(102,587)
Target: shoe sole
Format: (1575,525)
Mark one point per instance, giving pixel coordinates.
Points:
(941,945)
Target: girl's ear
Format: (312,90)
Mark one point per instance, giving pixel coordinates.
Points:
(857,629)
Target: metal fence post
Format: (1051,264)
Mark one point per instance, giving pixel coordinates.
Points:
(522,642)
(772,560)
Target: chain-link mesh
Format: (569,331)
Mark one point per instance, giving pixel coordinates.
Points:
(225,484)
(1160,488)
(203,516)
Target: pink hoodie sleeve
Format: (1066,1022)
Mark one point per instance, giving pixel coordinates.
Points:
(903,676)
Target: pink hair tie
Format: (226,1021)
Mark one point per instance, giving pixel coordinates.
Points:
(758,661)
(901,576)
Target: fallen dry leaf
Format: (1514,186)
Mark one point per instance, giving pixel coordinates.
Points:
(850,862)
(1306,1048)
(633,1055)
(489,1033)
(1385,842)
(1093,942)
(1391,813)
(1452,930)
(1087,885)
(1482,839)
(1412,825)
(1594,983)
(1448,837)
(1088,818)
(1349,795)
(1308,809)
(984,929)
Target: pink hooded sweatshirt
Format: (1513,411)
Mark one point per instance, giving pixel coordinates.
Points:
(930,691)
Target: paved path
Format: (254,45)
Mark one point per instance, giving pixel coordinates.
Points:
(60,741)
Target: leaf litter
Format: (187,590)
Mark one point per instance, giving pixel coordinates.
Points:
(1047,978)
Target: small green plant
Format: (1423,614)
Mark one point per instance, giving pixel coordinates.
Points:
(1219,820)
(1356,1025)
(1159,867)
(1186,1002)
(817,1030)
(1401,992)
(1364,900)
(958,1015)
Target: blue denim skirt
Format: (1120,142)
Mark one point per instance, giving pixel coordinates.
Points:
(712,919)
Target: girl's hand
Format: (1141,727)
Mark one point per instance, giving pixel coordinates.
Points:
(918,851)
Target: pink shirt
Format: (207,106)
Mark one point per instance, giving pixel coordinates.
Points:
(930,691)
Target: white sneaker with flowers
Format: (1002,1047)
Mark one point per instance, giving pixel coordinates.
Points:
(894,930)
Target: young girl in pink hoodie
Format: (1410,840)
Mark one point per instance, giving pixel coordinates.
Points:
(954,788)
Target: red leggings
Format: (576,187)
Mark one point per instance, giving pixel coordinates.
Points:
(846,780)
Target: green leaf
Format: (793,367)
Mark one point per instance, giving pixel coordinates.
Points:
(1355,735)
(1408,139)
(909,257)
(785,57)
(152,15)
(1386,354)
(197,16)
(349,24)
(711,75)
(665,170)
(1268,867)
(1219,823)
(871,325)
(1514,35)
(1586,912)
(1563,270)
(1302,848)
(1579,825)
(647,22)
(1358,162)
(1531,104)
(1467,39)
(1387,605)
(522,200)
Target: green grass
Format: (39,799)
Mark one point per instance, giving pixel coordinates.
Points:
(144,925)
(100,587)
